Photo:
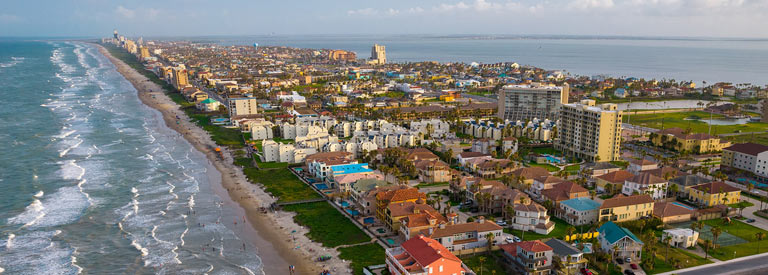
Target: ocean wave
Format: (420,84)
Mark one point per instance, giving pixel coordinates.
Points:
(64,152)
(74,261)
(65,134)
(69,204)
(9,242)
(71,171)
(32,214)
(40,193)
(14,61)
(36,252)
(144,251)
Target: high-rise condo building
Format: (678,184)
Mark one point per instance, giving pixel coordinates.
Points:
(242,106)
(143,52)
(526,102)
(589,132)
(180,78)
(378,54)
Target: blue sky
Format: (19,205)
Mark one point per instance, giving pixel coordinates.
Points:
(708,18)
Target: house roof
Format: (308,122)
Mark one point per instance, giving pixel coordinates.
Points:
(668,209)
(715,187)
(646,179)
(561,248)
(616,176)
(680,133)
(427,251)
(472,155)
(563,191)
(614,233)
(690,180)
(208,101)
(534,246)
(549,179)
(622,200)
(642,162)
(747,148)
(401,195)
(581,204)
(602,165)
(530,172)
(453,229)
(663,171)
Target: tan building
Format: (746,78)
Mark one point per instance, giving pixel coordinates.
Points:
(626,208)
(612,182)
(242,106)
(341,55)
(143,52)
(179,78)
(589,132)
(681,140)
(378,55)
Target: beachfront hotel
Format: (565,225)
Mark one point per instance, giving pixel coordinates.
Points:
(526,102)
(589,132)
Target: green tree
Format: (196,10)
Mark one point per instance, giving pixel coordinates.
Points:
(759,236)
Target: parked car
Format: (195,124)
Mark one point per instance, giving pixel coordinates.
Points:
(516,239)
(628,260)
(629,272)
(633,266)
(750,220)
(501,223)
(586,271)
(619,261)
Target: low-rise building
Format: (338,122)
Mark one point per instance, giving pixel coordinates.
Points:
(422,256)
(579,211)
(529,257)
(683,141)
(645,183)
(564,191)
(750,157)
(613,181)
(531,216)
(714,193)
(673,212)
(680,237)
(571,258)
(463,236)
(623,208)
(619,241)
(639,165)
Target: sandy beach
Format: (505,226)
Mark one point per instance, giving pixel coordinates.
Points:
(280,241)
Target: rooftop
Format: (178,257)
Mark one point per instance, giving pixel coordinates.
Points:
(581,204)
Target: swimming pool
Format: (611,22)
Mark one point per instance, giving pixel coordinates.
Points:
(298,169)
(683,206)
(553,159)
(353,212)
(321,186)
(753,182)
(390,241)
(344,203)
(368,220)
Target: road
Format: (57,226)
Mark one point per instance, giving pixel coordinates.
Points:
(755,264)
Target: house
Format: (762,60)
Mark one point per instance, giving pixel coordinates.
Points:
(613,181)
(527,174)
(714,193)
(360,193)
(623,208)
(666,172)
(531,216)
(639,165)
(432,171)
(544,182)
(578,211)
(571,258)
(673,212)
(529,257)
(620,242)
(422,256)
(564,191)
(680,237)
(681,140)
(463,236)
(208,105)
(494,196)
(645,183)
(463,157)
(494,168)
(684,184)
(599,169)
(400,195)
(320,165)
(421,215)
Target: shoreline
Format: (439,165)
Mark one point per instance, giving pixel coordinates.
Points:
(279,240)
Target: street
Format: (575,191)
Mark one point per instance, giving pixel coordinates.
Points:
(756,264)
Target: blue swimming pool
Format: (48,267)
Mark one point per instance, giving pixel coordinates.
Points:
(321,186)
(391,241)
(553,159)
(344,203)
(683,206)
(753,182)
(298,169)
(368,220)
(353,212)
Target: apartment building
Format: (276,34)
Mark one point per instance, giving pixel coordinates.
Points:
(623,208)
(422,256)
(684,141)
(462,236)
(750,157)
(590,132)
(529,257)
(526,102)
(242,106)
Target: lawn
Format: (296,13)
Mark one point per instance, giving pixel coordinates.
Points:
(422,185)
(622,164)
(221,135)
(326,224)
(687,260)
(669,120)
(741,230)
(362,255)
(489,265)
(572,169)
(546,150)
(282,184)
(756,138)
(549,167)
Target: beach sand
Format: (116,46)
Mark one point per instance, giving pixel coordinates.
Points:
(280,241)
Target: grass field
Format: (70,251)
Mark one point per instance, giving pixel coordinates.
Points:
(281,183)
(741,230)
(670,120)
(547,150)
(558,232)
(488,266)
(326,224)
(687,260)
(221,135)
(756,138)
(362,256)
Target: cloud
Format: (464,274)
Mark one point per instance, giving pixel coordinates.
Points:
(9,18)
(364,12)
(124,12)
(479,6)
(591,4)
(415,10)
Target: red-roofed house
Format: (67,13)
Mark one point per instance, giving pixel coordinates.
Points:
(423,255)
(529,257)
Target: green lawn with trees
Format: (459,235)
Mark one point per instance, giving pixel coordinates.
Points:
(326,224)
(693,120)
(362,255)
(281,183)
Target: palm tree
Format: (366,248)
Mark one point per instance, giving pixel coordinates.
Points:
(716,231)
(509,211)
(489,237)
(569,232)
(759,236)
(707,244)
(481,259)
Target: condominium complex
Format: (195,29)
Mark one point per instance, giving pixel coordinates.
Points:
(242,106)
(179,78)
(526,102)
(750,157)
(589,132)
(378,54)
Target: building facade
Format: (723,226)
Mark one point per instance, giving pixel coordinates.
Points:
(589,132)
(526,102)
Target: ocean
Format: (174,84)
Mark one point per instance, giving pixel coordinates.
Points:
(682,59)
(94,182)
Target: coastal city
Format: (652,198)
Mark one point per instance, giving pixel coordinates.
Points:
(355,164)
